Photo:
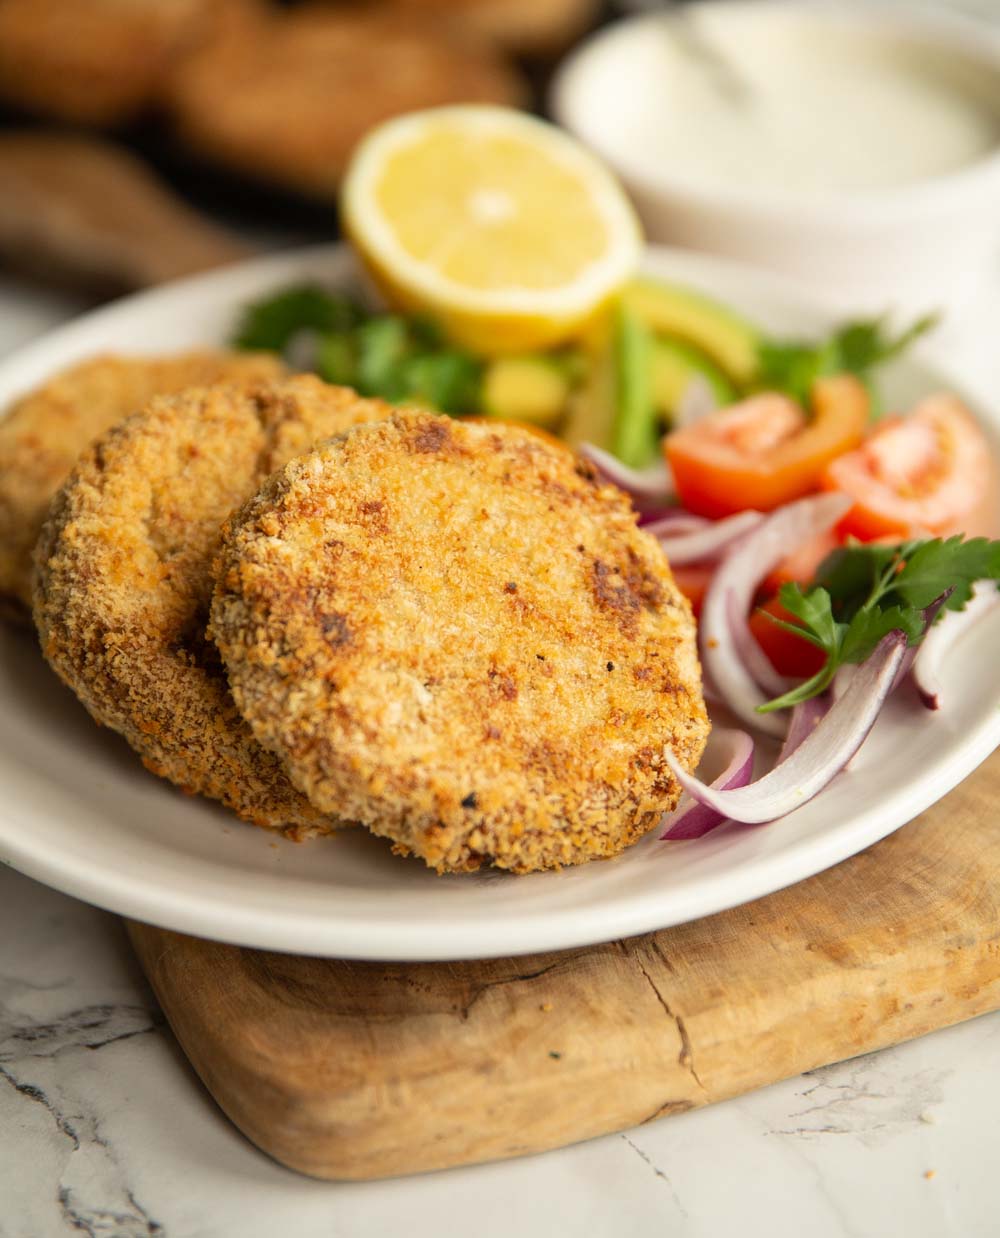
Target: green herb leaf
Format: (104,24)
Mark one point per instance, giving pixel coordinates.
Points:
(868,627)
(449,381)
(793,366)
(813,609)
(863,592)
(337,359)
(270,324)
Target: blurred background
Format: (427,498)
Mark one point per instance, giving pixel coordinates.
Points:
(144,139)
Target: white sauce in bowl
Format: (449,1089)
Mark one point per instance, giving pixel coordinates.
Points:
(771,98)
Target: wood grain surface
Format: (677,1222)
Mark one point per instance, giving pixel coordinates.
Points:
(356,1070)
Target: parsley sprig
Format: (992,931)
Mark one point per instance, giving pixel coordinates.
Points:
(863,592)
(859,348)
(393,356)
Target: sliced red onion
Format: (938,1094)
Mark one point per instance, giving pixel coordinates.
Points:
(671,520)
(691,819)
(943,635)
(648,487)
(819,757)
(731,592)
(696,402)
(706,543)
(804,719)
(753,657)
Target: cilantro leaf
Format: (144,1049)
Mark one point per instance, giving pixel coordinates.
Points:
(814,610)
(858,348)
(270,324)
(862,592)
(868,627)
(448,380)
(933,567)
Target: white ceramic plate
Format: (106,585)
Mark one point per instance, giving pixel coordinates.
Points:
(78,811)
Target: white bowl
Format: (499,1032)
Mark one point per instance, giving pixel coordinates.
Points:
(918,245)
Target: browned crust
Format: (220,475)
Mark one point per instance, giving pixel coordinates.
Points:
(91,61)
(287,98)
(454,634)
(124,577)
(45,431)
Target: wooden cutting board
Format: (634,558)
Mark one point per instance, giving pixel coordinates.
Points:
(342,1069)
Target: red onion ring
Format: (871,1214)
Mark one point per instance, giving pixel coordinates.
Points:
(650,487)
(819,757)
(732,590)
(754,658)
(671,520)
(941,636)
(693,820)
(705,543)
(804,719)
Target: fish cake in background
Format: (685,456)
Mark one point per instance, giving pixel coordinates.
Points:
(79,211)
(92,62)
(285,98)
(453,633)
(525,27)
(45,431)
(124,580)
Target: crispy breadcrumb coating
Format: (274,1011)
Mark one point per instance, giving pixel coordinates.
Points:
(45,431)
(453,633)
(124,579)
(288,97)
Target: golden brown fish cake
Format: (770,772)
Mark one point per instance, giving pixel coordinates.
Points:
(453,633)
(531,27)
(124,579)
(93,62)
(44,432)
(287,99)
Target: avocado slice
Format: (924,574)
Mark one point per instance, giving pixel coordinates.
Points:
(726,338)
(590,413)
(529,388)
(672,366)
(635,434)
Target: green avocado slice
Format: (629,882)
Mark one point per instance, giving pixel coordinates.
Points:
(722,335)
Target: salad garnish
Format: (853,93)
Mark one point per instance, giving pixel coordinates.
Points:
(859,348)
(862,592)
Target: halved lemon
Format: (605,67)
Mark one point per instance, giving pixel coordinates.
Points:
(498,225)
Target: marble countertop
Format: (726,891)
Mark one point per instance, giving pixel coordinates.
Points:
(106,1131)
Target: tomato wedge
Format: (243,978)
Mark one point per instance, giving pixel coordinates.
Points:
(928,472)
(765,451)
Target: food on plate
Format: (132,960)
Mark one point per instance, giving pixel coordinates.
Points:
(99,62)
(44,432)
(124,579)
(453,633)
(682,314)
(286,97)
(929,471)
(539,235)
(766,450)
(89,214)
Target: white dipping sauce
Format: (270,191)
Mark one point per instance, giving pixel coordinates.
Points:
(809,105)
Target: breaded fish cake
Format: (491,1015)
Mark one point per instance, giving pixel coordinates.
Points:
(124,579)
(527,27)
(45,431)
(453,633)
(91,61)
(287,99)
